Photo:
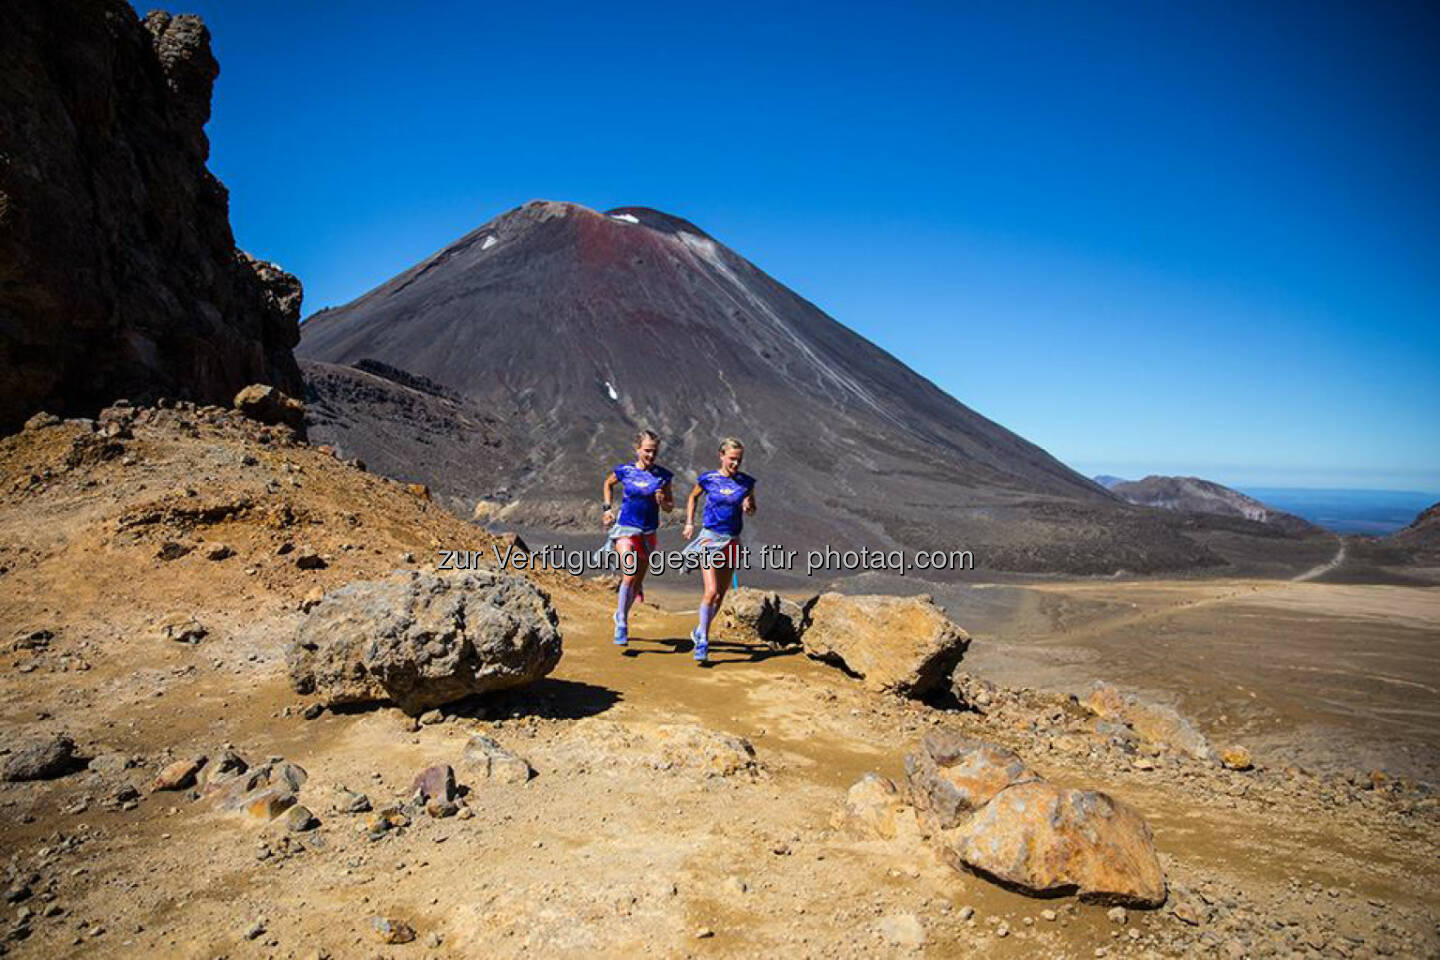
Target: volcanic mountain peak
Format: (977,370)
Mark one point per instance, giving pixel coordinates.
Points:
(575,328)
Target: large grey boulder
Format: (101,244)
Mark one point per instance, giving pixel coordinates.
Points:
(42,759)
(425,641)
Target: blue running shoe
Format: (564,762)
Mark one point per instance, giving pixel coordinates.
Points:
(702,645)
(622,632)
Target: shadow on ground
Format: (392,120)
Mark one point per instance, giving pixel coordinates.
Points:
(722,652)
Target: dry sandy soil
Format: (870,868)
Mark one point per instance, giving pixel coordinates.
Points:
(648,828)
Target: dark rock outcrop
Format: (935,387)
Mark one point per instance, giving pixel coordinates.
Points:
(119,275)
(40,760)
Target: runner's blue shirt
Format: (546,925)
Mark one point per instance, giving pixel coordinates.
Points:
(724,497)
(639,507)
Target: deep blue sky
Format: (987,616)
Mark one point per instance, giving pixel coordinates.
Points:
(1149,239)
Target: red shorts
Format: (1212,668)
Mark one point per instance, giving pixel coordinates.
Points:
(731,552)
(641,543)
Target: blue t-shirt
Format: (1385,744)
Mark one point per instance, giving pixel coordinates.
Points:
(639,508)
(724,497)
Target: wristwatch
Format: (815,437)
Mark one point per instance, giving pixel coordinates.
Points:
(606,507)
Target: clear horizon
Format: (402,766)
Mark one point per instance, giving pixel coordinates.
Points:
(1196,242)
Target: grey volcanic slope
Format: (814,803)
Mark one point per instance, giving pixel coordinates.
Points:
(1204,496)
(1422,537)
(576,328)
(408,428)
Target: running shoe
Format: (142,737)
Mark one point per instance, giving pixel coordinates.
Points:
(702,645)
(622,632)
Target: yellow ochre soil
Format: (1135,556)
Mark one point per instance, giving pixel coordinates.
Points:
(618,846)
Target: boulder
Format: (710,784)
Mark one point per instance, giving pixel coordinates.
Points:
(904,930)
(425,641)
(299,818)
(391,931)
(486,510)
(41,760)
(488,759)
(266,404)
(974,693)
(1044,840)
(875,808)
(903,645)
(751,614)
(951,776)
(1153,722)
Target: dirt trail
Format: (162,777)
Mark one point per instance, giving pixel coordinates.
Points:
(1326,567)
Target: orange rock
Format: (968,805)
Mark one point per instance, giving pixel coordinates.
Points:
(1236,758)
(178,775)
(1044,840)
(418,490)
(872,807)
(1154,722)
(903,645)
(269,803)
(951,776)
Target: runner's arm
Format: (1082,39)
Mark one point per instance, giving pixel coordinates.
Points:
(749,504)
(666,498)
(605,497)
(689,530)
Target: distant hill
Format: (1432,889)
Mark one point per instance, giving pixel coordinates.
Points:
(1422,538)
(1376,513)
(1108,481)
(1194,495)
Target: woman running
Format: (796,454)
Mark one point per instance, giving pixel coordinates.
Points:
(728,494)
(645,487)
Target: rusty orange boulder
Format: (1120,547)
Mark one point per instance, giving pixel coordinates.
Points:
(951,776)
(1044,840)
(903,645)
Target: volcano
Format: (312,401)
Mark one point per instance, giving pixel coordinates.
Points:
(558,331)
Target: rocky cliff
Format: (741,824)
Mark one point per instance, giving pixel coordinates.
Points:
(119,275)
